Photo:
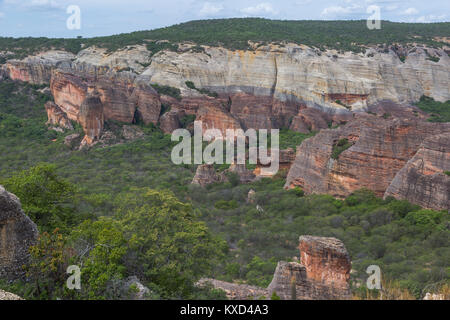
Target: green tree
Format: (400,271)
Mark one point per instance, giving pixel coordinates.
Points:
(46,198)
(172,249)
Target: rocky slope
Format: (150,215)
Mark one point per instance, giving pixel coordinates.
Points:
(17,233)
(374,151)
(423,180)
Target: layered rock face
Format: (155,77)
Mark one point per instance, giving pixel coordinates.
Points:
(17,234)
(124,98)
(57,117)
(91,118)
(376,151)
(423,180)
(272,86)
(37,69)
(279,80)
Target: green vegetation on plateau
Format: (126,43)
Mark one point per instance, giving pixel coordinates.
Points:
(118,200)
(438,111)
(235,34)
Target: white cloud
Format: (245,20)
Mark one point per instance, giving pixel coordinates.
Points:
(2,14)
(210,9)
(339,10)
(432,18)
(410,11)
(262,8)
(37,4)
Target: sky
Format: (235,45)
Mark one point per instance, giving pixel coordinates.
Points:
(49,18)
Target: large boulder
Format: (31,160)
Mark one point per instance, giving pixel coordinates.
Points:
(17,234)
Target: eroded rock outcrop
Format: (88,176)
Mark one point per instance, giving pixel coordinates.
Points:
(322,274)
(206,174)
(17,234)
(57,117)
(91,118)
(124,98)
(37,69)
(272,86)
(373,151)
(423,180)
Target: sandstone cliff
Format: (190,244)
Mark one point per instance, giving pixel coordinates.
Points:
(423,180)
(17,234)
(272,86)
(37,69)
(377,149)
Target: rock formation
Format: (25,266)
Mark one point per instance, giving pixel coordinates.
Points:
(271,86)
(170,121)
(8,296)
(423,180)
(17,234)
(57,117)
(124,98)
(376,150)
(286,159)
(91,118)
(322,274)
(37,69)
(206,174)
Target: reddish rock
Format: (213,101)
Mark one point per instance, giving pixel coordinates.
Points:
(326,261)
(217,118)
(56,116)
(124,98)
(322,274)
(286,159)
(380,148)
(309,120)
(423,180)
(91,119)
(170,121)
